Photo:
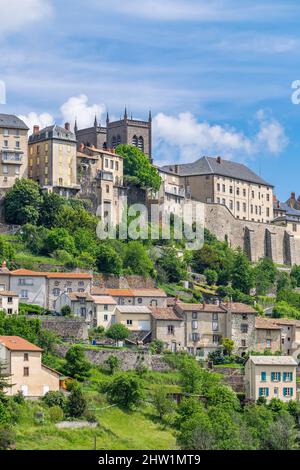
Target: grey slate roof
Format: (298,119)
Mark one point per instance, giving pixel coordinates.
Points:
(10,121)
(273,360)
(53,132)
(211,166)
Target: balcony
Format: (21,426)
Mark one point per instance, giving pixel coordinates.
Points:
(105,175)
(175,191)
(12,157)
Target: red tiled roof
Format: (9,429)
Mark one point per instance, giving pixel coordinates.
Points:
(164,313)
(58,275)
(15,343)
(200,308)
(238,307)
(265,324)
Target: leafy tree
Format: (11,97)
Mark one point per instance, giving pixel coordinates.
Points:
(77,366)
(228,345)
(228,430)
(173,267)
(73,218)
(211,276)
(47,340)
(55,399)
(7,251)
(196,433)
(4,380)
(108,260)
(66,311)
(282,434)
(295,274)
(118,332)
(265,275)
(23,202)
(157,346)
(113,363)
(85,241)
(34,238)
(187,408)
(59,238)
(137,260)
(76,403)
(50,207)
(222,395)
(283,281)
(125,390)
(137,165)
(161,402)
(242,273)
(194,379)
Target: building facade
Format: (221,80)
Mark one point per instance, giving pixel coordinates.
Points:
(53,159)
(135,318)
(167,326)
(24,365)
(215,180)
(9,302)
(241,326)
(13,150)
(268,336)
(271,377)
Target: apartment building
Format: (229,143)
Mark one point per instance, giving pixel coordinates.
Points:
(100,176)
(167,326)
(23,361)
(271,377)
(290,335)
(53,159)
(215,180)
(43,288)
(14,150)
(172,193)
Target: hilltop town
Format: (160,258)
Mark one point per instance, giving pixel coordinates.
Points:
(199,338)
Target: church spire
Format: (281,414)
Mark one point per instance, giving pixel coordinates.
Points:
(125,113)
(107,118)
(95,122)
(150,116)
(75,126)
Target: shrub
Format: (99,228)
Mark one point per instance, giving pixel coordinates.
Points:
(125,390)
(56,414)
(76,404)
(57,399)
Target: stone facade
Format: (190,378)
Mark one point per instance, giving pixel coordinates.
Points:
(241,329)
(68,329)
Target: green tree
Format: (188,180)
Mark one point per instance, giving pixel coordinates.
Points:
(242,273)
(228,345)
(136,259)
(50,207)
(60,239)
(76,403)
(125,390)
(108,260)
(4,380)
(161,402)
(34,238)
(196,433)
(138,166)
(77,366)
(113,363)
(222,395)
(282,434)
(211,276)
(23,202)
(118,332)
(174,268)
(66,311)
(283,281)
(265,275)
(295,274)
(73,218)
(55,399)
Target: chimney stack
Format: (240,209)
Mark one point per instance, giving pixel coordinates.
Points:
(176,169)
(67,126)
(219,160)
(36,129)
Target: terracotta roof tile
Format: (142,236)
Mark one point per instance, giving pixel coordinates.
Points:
(200,307)
(58,275)
(166,313)
(265,324)
(15,343)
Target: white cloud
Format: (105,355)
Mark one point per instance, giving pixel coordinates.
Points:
(187,138)
(41,120)
(16,14)
(77,108)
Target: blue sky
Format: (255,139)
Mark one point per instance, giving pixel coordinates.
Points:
(217,75)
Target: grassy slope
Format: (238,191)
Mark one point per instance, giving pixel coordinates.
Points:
(118,429)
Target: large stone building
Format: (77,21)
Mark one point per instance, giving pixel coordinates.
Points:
(53,159)
(215,180)
(13,149)
(123,131)
(100,175)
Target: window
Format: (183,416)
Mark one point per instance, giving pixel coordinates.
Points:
(244,316)
(105,317)
(117,166)
(237,191)
(268,344)
(81,283)
(56,292)
(24,294)
(268,212)
(194,315)
(107,188)
(194,325)
(26,371)
(244,192)
(141,143)
(231,189)
(26,357)
(252,194)
(6,132)
(195,337)
(153,303)
(129,322)
(243,343)
(106,163)
(244,207)
(5,143)
(140,300)
(288,392)
(216,339)
(287,376)
(231,204)
(263,392)
(83,311)
(215,317)
(275,376)
(237,206)
(9,300)
(244,328)
(135,141)
(17,144)
(170,329)
(5,169)
(223,188)
(105,308)
(223,202)
(263,376)
(215,326)
(9,311)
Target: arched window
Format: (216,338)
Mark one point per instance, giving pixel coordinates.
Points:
(114,142)
(141,143)
(135,141)
(118,140)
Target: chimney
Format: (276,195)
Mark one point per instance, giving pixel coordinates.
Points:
(36,129)
(67,126)
(293,195)
(219,160)
(176,169)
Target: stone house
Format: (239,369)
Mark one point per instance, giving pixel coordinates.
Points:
(80,303)
(205,325)
(268,335)
(139,297)
(290,335)
(241,325)
(271,377)
(24,365)
(9,302)
(167,326)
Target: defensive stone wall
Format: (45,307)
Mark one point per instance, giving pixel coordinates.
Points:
(258,240)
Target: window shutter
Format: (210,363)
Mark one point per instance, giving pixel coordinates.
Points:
(292,391)
(272,376)
(284,376)
(267,392)
(284,392)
